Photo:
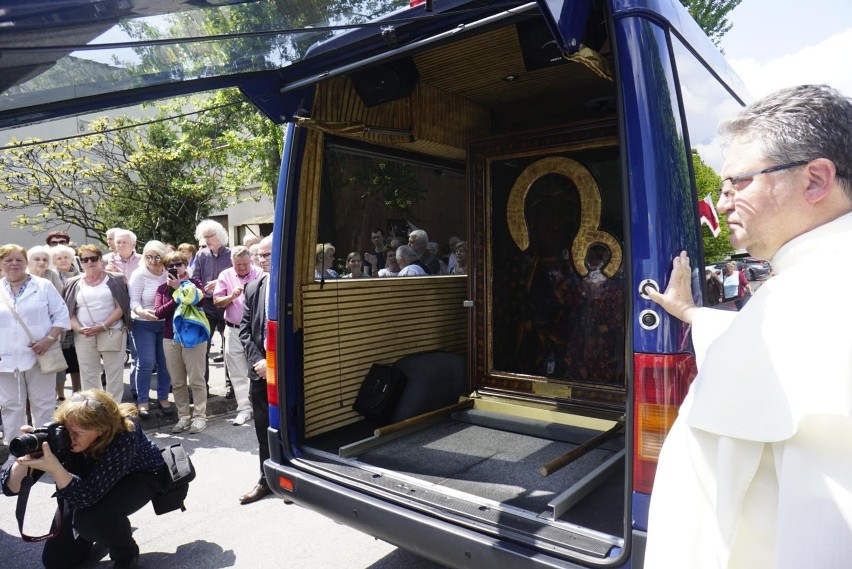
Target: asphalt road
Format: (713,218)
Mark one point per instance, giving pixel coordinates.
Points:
(216,531)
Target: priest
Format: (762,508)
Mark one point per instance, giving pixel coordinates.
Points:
(757,469)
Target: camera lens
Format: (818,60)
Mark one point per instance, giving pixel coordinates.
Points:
(26,444)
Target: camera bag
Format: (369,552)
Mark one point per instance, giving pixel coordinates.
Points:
(177,475)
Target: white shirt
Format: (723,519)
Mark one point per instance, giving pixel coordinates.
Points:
(412,271)
(757,469)
(142,288)
(41,308)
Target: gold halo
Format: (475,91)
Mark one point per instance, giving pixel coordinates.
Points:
(590,211)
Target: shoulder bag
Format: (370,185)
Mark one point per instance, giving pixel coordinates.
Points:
(52,360)
(177,473)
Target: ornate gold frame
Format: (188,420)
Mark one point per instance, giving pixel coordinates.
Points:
(548,145)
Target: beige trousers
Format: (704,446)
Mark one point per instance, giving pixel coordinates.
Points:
(186,366)
(90,358)
(235,359)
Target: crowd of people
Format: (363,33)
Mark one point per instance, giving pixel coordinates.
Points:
(95,307)
(392,258)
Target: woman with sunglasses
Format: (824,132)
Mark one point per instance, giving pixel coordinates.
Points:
(99,304)
(147,334)
(111,470)
(186,363)
(40,308)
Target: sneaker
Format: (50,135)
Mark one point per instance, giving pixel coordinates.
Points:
(183,424)
(218,359)
(242,417)
(198,425)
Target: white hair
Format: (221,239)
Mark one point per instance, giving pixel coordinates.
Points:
(208,225)
(125,233)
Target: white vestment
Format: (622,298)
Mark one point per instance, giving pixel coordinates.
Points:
(756,472)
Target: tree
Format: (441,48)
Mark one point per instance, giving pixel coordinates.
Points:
(708,182)
(712,16)
(157,180)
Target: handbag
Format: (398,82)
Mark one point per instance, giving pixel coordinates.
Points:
(176,475)
(112,340)
(52,360)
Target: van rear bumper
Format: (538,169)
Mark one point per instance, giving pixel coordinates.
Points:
(435,539)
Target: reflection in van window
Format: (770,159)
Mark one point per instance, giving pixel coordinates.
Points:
(386,216)
(706,103)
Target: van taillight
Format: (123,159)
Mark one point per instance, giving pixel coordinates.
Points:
(272,362)
(661,383)
(413,3)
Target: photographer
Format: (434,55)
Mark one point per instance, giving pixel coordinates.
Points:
(105,468)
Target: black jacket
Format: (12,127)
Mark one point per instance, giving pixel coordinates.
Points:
(252,325)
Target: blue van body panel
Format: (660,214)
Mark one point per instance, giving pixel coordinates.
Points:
(658,174)
(640,510)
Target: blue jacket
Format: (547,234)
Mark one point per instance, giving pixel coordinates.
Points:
(190,323)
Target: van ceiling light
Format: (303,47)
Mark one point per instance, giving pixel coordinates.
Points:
(511,78)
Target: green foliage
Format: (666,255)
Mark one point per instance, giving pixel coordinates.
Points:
(708,182)
(157,180)
(712,16)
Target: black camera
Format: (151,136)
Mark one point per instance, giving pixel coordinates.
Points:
(173,272)
(54,433)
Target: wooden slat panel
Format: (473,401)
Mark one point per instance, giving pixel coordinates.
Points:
(340,345)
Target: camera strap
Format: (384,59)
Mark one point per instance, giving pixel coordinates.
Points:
(21,509)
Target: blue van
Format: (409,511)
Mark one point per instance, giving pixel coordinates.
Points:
(532,166)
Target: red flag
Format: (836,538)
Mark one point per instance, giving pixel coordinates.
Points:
(708,214)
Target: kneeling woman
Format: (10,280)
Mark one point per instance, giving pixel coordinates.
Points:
(111,470)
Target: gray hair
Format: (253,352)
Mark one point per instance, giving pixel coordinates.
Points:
(39,249)
(56,249)
(420,237)
(406,254)
(799,123)
(209,225)
(126,233)
(239,251)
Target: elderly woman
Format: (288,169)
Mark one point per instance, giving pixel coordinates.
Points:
(39,265)
(147,334)
(186,360)
(324,262)
(32,319)
(62,257)
(99,306)
(391,266)
(111,470)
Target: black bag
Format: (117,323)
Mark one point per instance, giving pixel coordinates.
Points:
(175,479)
(379,393)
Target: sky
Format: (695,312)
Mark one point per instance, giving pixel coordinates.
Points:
(779,43)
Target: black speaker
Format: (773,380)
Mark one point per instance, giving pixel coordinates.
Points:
(386,82)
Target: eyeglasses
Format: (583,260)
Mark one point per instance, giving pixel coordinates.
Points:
(153,258)
(90,403)
(741,182)
(55,242)
(174,265)
(89,259)
(264,256)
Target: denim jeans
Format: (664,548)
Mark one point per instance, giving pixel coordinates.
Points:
(148,341)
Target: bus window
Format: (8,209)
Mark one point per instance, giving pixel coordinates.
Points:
(370,203)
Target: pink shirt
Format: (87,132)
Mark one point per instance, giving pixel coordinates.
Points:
(229,280)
